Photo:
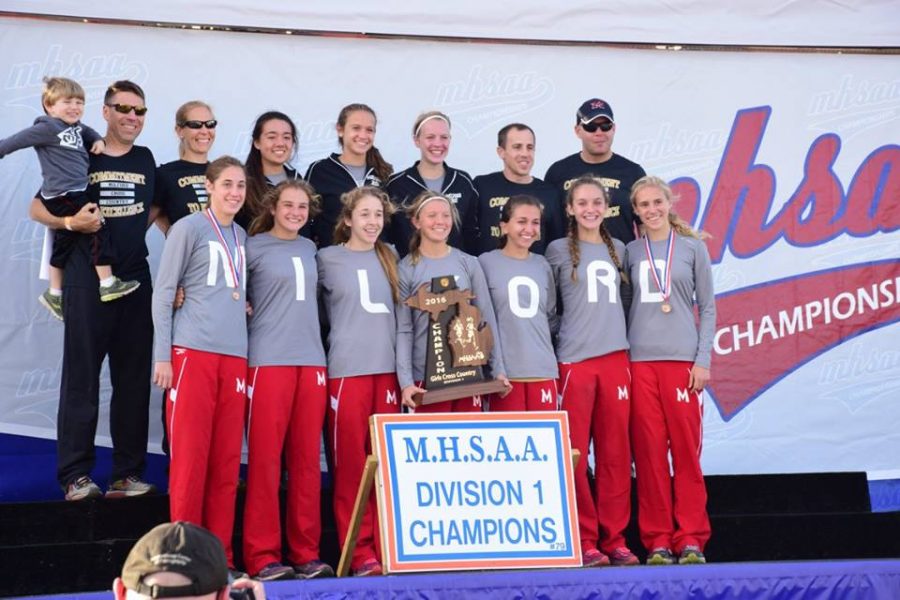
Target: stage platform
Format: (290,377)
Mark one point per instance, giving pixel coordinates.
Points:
(809,580)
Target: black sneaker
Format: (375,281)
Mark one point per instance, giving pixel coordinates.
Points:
(275,572)
(313,569)
(82,489)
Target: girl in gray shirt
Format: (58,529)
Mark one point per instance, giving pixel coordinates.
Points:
(201,353)
(523,294)
(433,215)
(359,289)
(594,371)
(670,356)
(285,388)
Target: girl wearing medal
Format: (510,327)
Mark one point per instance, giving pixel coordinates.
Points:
(523,293)
(594,374)
(358,284)
(201,353)
(433,215)
(670,359)
(286,389)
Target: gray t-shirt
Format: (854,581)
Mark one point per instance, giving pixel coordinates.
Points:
(62,150)
(523,294)
(210,319)
(356,294)
(436,184)
(412,325)
(593,320)
(655,335)
(357,172)
(284,327)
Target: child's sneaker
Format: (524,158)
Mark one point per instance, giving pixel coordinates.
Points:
(691,555)
(594,558)
(661,556)
(623,557)
(53,303)
(117,289)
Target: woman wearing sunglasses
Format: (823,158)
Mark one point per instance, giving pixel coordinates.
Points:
(596,128)
(181,184)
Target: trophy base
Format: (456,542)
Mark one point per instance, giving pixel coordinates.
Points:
(461,390)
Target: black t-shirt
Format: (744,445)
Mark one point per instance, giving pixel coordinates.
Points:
(122,186)
(617,175)
(495,190)
(180,189)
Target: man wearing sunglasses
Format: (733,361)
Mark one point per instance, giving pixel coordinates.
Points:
(120,190)
(596,128)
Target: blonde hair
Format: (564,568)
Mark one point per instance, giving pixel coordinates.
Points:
(386,256)
(431,115)
(680,226)
(59,88)
(412,212)
(572,231)
(265,220)
(181,117)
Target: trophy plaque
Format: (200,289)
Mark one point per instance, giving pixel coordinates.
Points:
(458,344)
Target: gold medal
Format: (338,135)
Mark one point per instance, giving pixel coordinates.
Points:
(666,307)
(237,296)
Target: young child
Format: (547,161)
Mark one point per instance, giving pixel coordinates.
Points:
(60,141)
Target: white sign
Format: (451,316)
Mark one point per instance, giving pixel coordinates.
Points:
(475,491)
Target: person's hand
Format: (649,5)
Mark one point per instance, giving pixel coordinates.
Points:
(249,310)
(698,379)
(407,395)
(505,381)
(178,300)
(86,220)
(162,374)
(259,592)
(98,147)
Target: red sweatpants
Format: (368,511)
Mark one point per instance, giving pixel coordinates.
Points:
(596,394)
(205,412)
(527,396)
(352,401)
(667,417)
(287,412)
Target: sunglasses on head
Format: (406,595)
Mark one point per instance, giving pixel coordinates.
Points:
(211,124)
(127,108)
(593,126)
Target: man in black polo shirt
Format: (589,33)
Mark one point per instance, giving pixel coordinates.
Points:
(120,188)
(596,128)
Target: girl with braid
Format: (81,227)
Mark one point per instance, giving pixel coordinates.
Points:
(430,255)
(670,356)
(285,388)
(358,284)
(359,163)
(594,373)
(523,293)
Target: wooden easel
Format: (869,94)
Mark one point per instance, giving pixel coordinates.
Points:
(362,501)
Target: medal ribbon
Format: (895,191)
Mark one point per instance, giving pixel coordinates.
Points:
(666,290)
(218,229)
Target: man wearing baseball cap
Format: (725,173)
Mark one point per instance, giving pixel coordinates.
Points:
(179,560)
(595,126)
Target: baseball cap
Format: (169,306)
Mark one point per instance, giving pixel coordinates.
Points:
(178,547)
(593,108)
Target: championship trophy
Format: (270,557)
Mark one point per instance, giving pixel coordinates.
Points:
(458,346)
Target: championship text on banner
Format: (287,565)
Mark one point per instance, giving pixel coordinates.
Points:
(475,491)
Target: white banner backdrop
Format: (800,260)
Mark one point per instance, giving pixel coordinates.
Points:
(866,23)
(790,160)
